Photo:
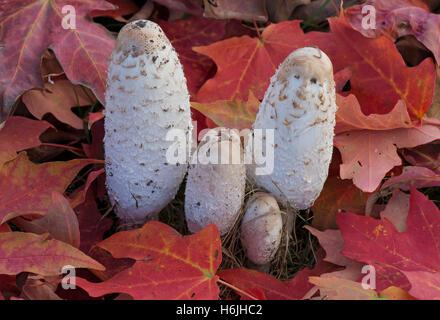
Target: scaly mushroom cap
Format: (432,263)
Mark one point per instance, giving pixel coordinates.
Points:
(215,192)
(300,107)
(146,97)
(261,228)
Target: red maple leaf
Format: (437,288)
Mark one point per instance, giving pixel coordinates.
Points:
(398,18)
(246,64)
(168,265)
(23,251)
(26,188)
(187,33)
(82,51)
(377,242)
(19,133)
(368,144)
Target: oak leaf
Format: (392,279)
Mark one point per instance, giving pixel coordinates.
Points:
(58,99)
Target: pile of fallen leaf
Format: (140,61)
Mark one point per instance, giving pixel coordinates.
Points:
(379,206)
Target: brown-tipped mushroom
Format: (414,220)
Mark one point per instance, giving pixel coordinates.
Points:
(299,108)
(146,97)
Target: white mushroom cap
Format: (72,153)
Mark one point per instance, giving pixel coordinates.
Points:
(215,192)
(146,97)
(261,228)
(299,106)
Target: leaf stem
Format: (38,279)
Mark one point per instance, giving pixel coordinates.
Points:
(241,292)
(336,8)
(257,29)
(62,146)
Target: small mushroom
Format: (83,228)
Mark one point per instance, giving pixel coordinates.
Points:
(261,228)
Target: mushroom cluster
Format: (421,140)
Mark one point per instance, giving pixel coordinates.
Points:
(147,97)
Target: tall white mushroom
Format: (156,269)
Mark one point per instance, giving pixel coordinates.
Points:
(299,106)
(216,182)
(146,97)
